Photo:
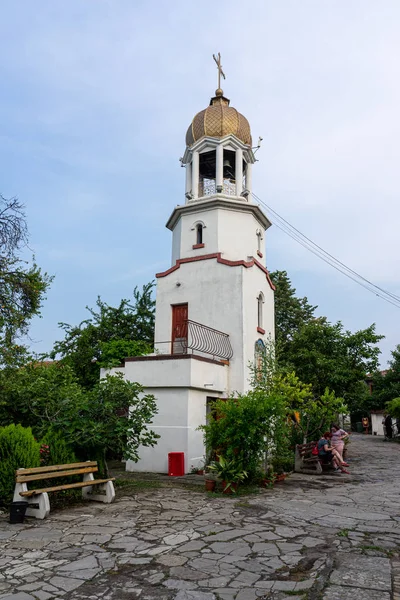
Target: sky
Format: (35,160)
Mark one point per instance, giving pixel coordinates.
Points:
(95,100)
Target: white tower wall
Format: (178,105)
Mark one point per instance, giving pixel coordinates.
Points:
(229,227)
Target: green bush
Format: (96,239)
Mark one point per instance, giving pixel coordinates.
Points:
(59,452)
(18,449)
(244,429)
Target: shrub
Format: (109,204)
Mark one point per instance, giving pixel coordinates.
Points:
(244,429)
(58,451)
(18,449)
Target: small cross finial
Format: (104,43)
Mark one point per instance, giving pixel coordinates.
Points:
(219,67)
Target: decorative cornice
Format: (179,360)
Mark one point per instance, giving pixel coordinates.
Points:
(223,261)
(211,142)
(218,201)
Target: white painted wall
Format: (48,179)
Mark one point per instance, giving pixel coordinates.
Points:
(233,233)
(171,423)
(221,297)
(176,242)
(376,424)
(185,372)
(254,282)
(181,397)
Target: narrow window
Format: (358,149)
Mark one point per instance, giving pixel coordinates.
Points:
(260,302)
(259,239)
(199,233)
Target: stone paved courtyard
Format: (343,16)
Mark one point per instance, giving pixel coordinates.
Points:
(334,537)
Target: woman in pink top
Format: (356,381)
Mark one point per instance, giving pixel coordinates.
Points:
(338,436)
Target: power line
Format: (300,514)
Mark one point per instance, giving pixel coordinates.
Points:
(307,243)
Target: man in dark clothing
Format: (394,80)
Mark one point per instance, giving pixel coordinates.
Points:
(389,426)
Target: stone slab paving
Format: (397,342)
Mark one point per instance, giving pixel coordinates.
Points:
(315,538)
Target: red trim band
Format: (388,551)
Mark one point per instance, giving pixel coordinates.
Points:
(260,254)
(223,261)
(261,330)
(196,246)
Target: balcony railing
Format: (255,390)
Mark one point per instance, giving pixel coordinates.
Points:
(208,187)
(200,338)
(208,340)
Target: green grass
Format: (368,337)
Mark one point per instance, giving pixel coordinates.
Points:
(376,549)
(243,504)
(343,533)
(243,490)
(136,485)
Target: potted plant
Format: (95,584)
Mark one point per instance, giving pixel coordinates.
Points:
(230,472)
(282,465)
(210,480)
(269,477)
(196,470)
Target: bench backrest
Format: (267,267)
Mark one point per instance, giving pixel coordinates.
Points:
(304,449)
(37,473)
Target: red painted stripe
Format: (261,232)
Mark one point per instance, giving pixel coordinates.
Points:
(223,261)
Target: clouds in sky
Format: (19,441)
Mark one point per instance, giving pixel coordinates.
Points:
(96,97)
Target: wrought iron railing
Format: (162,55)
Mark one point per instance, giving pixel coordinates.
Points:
(207,340)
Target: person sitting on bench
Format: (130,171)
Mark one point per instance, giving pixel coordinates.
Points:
(329,455)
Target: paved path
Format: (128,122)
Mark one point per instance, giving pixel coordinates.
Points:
(329,538)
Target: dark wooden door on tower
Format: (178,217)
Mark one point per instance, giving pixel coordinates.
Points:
(179,329)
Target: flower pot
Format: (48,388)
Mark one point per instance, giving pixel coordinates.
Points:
(268,482)
(280,477)
(210,485)
(200,472)
(17,511)
(231,489)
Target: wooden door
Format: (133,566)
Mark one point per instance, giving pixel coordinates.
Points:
(179,329)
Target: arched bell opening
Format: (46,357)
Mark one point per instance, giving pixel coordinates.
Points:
(207,173)
(233,168)
(221,171)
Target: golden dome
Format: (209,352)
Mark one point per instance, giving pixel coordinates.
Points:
(217,120)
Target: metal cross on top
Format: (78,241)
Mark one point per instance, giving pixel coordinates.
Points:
(220,71)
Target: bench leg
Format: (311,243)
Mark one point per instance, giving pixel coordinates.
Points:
(38,506)
(89,493)
(298,462)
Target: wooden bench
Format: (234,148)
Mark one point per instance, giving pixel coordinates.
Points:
(307,462)
(38,499)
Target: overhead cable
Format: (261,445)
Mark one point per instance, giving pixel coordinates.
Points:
(307,243)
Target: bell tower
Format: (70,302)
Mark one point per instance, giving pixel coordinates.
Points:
(218,241)
(215,301)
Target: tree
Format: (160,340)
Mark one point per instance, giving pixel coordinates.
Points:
(22,286)
(309,415)
(108,336)
(39,395)
(113,416)
(291,313)
(393,408)
(386,384)
(327,356)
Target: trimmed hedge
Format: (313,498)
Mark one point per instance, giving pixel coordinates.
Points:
(18,449)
